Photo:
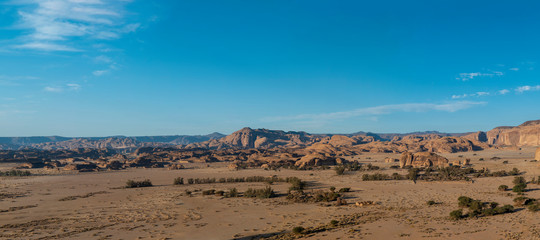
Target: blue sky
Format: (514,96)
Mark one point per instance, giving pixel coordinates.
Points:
(133,67)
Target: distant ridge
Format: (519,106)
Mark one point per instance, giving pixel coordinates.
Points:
(120,142)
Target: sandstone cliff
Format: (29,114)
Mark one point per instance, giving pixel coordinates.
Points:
(526,134)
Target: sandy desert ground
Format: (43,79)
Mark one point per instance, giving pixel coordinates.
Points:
(67,205)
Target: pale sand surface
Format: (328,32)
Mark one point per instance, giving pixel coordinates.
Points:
(163,211)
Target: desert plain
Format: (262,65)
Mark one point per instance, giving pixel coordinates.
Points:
(57,204)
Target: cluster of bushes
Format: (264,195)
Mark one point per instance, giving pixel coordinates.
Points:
(137,184)
(353,167)
(519,185)
(316,196)
(266,192)
(376,177)
(451,173)
(15,173)
(478,208)
(180,181)
(532,204)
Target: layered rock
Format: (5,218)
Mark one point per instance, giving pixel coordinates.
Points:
(422,159)
(526,134)
(537,156)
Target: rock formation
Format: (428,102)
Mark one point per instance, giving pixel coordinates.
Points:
(537,156)
(526,134)
(422,159)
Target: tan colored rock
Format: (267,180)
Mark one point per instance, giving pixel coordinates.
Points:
(422,159)
(537,157)
(390,160)
(315,159)
(526,134)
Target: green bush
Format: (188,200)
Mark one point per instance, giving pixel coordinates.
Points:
(266,192)
(342,190)
(298,230)
(137,184)
(456,214)
(503,188)
(519,180)
(464,201)
(519,188)
(413,174)
(15,173)
(535,207)
(334,223)
(340,170)
(431,202)
(296,184)
(178,181)
(232,193)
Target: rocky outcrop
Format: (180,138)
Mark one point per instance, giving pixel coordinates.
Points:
(422,159)
(477,136)
(257,138)
(315,159)
(526,134)
(537,156)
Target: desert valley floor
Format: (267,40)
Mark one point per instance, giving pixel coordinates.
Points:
(66,205)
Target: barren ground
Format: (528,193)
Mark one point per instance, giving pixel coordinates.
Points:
(99,208)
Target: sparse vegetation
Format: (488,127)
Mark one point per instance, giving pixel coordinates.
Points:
(519,184)
(178,181)
(233,192)
(298,230)
(431,202)
(478,208)
(503,188)
(456,214)
(266,192)
(138,184)
(340,170)
(15,173)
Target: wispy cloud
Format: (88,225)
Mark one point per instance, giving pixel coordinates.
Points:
(380,110)
(520,89)
(470,76)
(59,89)
(523,89)
(55,25)
(53,89)
(100,72)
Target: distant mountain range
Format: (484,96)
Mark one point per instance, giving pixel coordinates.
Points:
(526,134)
(121,142)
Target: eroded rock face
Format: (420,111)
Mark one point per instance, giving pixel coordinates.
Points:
(537,157)
(315,159)
(422,159)
(526,134)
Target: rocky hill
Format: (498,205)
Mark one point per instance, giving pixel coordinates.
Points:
(117,142)
(258,138)
(526,134)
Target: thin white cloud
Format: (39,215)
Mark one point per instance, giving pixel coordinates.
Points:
(518,90)
(102,59)
(380,110)
(53,89)
(73,86)
(504,91)
(470,76)
(59,89)
(514,69)
(55,25)
(523,89)
(100,72)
